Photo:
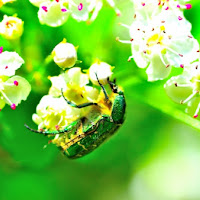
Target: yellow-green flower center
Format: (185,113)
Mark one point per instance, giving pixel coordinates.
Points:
(156,38)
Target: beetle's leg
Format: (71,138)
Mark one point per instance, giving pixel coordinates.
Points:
(104,91)
(78,106)
(113,85)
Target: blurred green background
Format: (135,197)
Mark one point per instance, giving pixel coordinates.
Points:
(154,156)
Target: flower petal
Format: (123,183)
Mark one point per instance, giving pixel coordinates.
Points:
(9,62)
(176,90)
(16,93)
(157,70)
(79,9)
(91,93)
(2,103)
(75,77)
(58,84)
(51,14)
(192,106)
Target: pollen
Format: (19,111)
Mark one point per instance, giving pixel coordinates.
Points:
(13,106)
(162,28)
(80,6)
(44,8)
(16,83)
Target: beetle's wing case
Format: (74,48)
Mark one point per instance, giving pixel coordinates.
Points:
(93,138)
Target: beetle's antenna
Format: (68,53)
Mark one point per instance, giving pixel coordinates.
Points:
(33,130)
(104,91)
(77,106)
(43,132)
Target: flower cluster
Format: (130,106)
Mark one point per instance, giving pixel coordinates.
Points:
(13,88)
(53,112)
(160,39)
(56,12)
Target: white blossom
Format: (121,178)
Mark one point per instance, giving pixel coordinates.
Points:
(9,63)
(100,70)
(185,89)
(160,42)
(64,55)
(53,13)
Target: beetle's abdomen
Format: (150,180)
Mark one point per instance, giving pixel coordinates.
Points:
(92,140)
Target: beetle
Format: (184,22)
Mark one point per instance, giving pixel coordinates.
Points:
(87,133)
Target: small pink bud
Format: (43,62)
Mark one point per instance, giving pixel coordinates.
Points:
(1,49)
(80,6)
(57,0)
(143,4)
(180,18)
(167,8)
(13,106)
(181,65)
(57,127)
(195,116)
(64,10)
(118,14)
(188,6)
(178,6)
(16,83)
(44,8)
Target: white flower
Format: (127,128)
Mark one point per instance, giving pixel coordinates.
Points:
(11,27)
(185,89)
(13,90)
(74,85)
(64,55)
(53,13)
(160,42)
(9,63)
(54,113)
(101,70)
(80,9)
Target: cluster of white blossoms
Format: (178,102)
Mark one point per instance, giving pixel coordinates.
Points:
(53,112)
(160,39)
(13,88)
(56,12)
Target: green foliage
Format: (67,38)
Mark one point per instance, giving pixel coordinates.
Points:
(29,171)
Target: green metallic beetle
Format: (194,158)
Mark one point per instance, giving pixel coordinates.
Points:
(87,133)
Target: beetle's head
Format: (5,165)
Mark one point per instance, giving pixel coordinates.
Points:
(113,85)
